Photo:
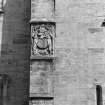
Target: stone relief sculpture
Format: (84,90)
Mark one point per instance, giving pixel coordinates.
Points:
(42,39)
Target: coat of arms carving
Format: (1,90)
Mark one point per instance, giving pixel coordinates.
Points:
(42,39)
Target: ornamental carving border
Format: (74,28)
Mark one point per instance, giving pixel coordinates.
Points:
(42,36)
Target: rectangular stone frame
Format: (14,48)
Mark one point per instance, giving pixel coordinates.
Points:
(42,39)
(42,10)
(41,78)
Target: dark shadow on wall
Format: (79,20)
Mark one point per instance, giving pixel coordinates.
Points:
(15,50)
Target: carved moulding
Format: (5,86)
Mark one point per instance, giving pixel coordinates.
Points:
(42,38)
(41,102)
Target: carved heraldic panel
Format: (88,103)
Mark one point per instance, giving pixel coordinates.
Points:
(42,39)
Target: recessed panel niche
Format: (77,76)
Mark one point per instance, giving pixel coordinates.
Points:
(41,77)
(42,36)
(42,9)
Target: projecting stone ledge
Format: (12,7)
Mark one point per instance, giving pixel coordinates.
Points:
(43,58)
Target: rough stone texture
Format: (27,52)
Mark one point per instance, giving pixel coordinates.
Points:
(80,51)
(15,50)
(41,102)
(41,82)
(42,38)
(42,10)
(79,48)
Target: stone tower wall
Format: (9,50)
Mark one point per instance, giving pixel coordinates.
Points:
(80,51)
(15,50)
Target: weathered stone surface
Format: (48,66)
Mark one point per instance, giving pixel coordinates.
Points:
(14,50)
(79,47)
(80,50)
(41,79)
(42,37)
(41,102)
(42,10)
